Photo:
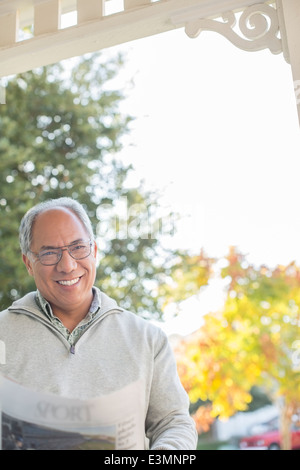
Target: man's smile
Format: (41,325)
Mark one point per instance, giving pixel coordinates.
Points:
(70,282)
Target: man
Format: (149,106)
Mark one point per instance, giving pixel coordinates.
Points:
(70,339)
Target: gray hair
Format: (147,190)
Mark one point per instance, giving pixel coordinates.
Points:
(26,226)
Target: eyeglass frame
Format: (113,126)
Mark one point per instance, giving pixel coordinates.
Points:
(62,249)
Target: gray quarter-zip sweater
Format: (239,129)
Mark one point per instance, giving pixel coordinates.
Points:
(116,349)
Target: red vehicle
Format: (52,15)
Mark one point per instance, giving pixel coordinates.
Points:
(269,438)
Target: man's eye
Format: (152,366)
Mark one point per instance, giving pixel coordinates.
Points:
(48,253)
(78,247)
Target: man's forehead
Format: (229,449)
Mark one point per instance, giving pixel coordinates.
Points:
(56,212)
(59,215)
(55,223)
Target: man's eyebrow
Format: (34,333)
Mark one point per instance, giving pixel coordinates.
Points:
(45,247)
(49,247)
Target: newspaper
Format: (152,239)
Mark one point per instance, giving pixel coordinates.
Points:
(32,420)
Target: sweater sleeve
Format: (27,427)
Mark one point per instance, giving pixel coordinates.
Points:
(168,422)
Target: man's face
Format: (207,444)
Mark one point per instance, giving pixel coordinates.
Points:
(56,228)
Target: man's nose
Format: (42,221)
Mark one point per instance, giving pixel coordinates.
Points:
(66,264)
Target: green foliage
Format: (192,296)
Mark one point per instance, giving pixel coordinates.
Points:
(187,275)
(252,341)
(60,133)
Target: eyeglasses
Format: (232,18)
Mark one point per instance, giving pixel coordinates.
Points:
(52,256)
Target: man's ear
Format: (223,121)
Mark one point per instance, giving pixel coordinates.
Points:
(28,264)
(95,249)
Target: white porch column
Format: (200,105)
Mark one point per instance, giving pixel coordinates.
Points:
(289,16)
(9,25)
(128,4)
(47,16)
(88,10)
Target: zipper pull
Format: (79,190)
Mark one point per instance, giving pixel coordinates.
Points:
(72,349)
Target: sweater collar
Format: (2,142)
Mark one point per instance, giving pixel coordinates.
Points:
(46,308)
(28,303)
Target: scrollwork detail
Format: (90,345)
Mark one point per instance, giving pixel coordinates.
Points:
(258,25)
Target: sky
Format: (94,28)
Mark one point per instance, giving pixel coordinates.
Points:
(216,132)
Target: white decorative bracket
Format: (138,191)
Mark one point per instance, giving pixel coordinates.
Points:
(258,27)
(271,25)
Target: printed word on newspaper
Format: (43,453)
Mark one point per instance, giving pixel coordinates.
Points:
(32,420)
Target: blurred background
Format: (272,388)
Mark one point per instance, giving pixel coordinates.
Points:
(186,155)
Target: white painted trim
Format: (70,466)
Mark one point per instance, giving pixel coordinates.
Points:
(47,16)
(95,31)
(258,27)
(87,10)
(290,23)
(9,25)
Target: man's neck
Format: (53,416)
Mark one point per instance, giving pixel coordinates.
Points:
(71,318)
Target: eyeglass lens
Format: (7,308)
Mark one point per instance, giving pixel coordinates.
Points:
(53,256)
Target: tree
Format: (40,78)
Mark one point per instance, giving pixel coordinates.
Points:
(61,131)
(251,342)
(188,275)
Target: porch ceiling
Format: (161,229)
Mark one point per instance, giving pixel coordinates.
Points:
(272,24)
(95,29)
